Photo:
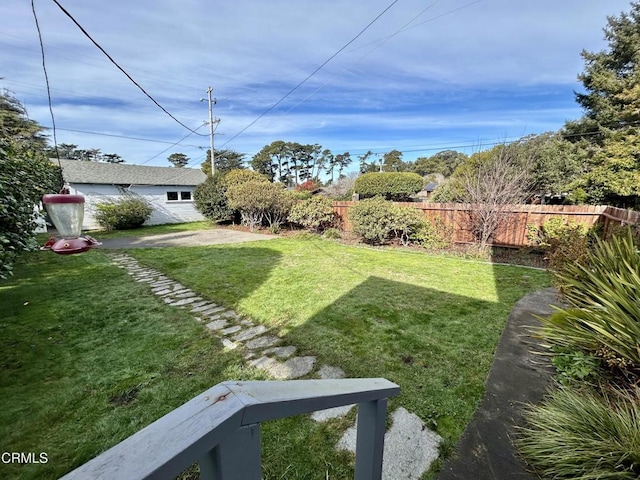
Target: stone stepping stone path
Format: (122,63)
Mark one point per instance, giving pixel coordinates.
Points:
(409,448)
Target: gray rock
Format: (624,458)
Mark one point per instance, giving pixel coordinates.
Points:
(293,368)
(267,341)
(327,372)
(281,352)
(250,333)
(217,325)
(409,446)
(230,330)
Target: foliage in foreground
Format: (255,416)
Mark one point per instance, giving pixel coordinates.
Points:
(25,175)
(210,199)
(582,434)
(605,314)
(127,212)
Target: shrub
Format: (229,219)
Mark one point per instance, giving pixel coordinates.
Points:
(433,236)
(396,186)
(584,435)
(315,214)
(25,175)
(260,201)
(308,186)
(562,243)
(372,219)
(332,233)
(211,201)
(130,211)
(241,175)
(603,291)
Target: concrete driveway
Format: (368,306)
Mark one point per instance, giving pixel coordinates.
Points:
(185,239)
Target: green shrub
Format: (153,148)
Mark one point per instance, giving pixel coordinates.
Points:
(241,175)
(259,202)
(211,201)
(605,314)
(315,214)
(433,236)
(584,435)
(395,186)
(332,233)
(574,366)
(562,243)
(372,219)
(130,211)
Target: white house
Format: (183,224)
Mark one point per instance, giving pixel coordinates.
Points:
(169,190)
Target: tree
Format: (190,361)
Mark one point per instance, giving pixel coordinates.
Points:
(211,200)
(25,175)
(16,125)
(179,160)
(112,158)
(444,163)
(392,162)
(226,160)
(362,161)
(608,135)
(490,181)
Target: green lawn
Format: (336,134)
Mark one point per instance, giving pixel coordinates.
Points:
(93,356)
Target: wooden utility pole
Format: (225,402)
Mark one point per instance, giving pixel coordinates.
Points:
(212,102)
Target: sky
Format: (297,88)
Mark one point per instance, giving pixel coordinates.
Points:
(415,76)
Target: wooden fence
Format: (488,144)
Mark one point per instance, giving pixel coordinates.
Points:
(512,231)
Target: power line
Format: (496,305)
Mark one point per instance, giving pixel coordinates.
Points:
(120,68)
(310,75)
(133,138)
(46,79)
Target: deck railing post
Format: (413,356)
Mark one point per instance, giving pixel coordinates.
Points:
(237,458)
(370,439)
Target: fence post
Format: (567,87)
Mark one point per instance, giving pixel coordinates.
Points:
(370,439)
(238,457)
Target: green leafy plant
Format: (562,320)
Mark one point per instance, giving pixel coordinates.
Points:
(130,211)
(372,219)
(315,214)
(603,294)
(396,186)
(433,236)
(574,366)
(211,201)
(582,434)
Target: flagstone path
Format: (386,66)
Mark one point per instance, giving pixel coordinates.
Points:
(410,447)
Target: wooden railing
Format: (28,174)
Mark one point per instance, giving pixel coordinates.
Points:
(220,430)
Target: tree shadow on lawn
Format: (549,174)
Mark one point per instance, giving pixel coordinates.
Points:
(435,345)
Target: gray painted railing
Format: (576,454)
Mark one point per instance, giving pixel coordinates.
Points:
(220,430)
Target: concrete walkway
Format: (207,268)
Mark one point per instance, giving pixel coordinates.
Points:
(194,238)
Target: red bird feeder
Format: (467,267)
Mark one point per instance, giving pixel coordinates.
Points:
(67,213)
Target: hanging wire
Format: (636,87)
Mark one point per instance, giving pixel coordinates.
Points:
(46,79)
(122,69)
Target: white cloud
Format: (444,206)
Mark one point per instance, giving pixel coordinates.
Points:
(461,70)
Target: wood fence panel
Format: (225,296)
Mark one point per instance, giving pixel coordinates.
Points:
(513,230)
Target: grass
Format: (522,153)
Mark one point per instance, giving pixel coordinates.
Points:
(93,356)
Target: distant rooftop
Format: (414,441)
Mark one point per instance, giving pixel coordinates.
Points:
(80,171)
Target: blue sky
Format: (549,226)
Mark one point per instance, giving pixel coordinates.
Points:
(426,76)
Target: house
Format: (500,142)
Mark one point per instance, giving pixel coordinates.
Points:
(169,190)
(427,191)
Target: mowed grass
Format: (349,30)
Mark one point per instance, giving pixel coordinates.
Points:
(429,323)
(89,356)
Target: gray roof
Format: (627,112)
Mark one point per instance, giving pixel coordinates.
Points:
(79,171)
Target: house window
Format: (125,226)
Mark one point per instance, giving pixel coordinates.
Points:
(175,196)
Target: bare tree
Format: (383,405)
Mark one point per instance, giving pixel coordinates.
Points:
(497,179)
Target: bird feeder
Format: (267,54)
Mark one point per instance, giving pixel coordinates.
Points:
(67,213)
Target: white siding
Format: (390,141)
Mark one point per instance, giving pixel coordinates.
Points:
(164,211)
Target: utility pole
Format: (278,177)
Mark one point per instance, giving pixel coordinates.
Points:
(212,102)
